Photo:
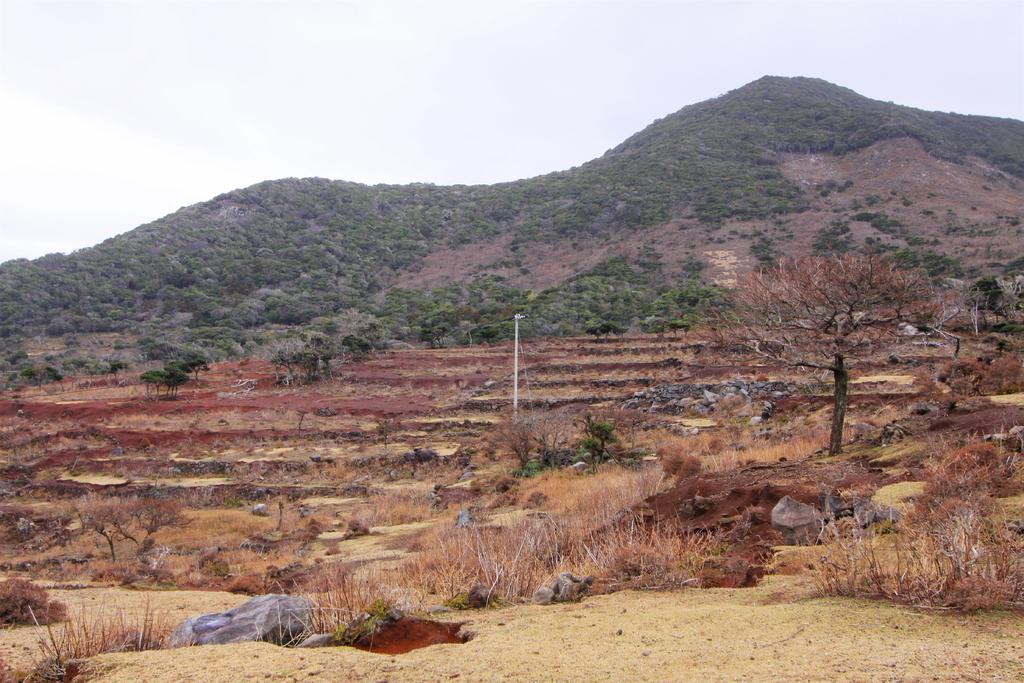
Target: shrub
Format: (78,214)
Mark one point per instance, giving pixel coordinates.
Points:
(23,602)
(975,469)
(951,555)
(678,463)
(1003,374)
(247,584)
(87,634)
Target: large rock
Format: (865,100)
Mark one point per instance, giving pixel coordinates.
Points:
(280,619)
(565,588)
(800,524)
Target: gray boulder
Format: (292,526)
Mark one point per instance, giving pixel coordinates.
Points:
(464,519)
(867,513)
(800,524)
(317,640)
(565,588)
(260,510)
(273,618)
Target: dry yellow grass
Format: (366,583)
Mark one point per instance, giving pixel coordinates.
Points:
(217,527)
(897,494)
(1009,399)
(772,632)
(719,451)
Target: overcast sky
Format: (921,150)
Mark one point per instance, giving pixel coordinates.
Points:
(115,114)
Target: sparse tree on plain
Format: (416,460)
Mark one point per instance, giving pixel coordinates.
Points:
(820,312)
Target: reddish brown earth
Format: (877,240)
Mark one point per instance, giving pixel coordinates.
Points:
(737,504)
(410,633)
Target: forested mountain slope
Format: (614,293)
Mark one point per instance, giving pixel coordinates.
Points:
(781,165)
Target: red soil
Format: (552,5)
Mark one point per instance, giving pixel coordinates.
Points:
(738,504)
(409,633)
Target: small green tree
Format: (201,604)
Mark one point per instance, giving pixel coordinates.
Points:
(194,362)
(598,438)
(116,366)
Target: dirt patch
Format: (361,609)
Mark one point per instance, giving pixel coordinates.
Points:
(738,505)
(980,422)
(411,633)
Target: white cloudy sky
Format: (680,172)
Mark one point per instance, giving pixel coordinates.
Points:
(114,114)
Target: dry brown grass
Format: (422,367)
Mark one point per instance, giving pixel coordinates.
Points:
(388,508)
(589,530)
(951,556)
(88,633)
(949,551)
(721,450)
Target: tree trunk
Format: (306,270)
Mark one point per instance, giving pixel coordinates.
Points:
(842,380)
(110,542)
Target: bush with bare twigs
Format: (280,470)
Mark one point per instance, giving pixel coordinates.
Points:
(1003,374)
(974,469)
(338,594)
(23,602)
(545,434)
(89,633)
(953,555)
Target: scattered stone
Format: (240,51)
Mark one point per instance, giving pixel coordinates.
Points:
(466,475)
(420,455)
(478,597)
(756,420)
(861,429)
(922,408)
(799,523)
(325,411)
(702,398)
(317,640)
(835,507)
(439,609)
(273,618)
(565,588)
(261,510)
(866,513)
(24,528)
(892,433)
(907,330)
(464,519)
(579,466)
(696,506)
(116,451)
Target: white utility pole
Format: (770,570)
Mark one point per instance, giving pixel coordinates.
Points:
(515,365)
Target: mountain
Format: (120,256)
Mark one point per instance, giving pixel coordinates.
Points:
(781,165)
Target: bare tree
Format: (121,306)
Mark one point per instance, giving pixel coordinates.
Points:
(515,432)
(129,518)
(818,312)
